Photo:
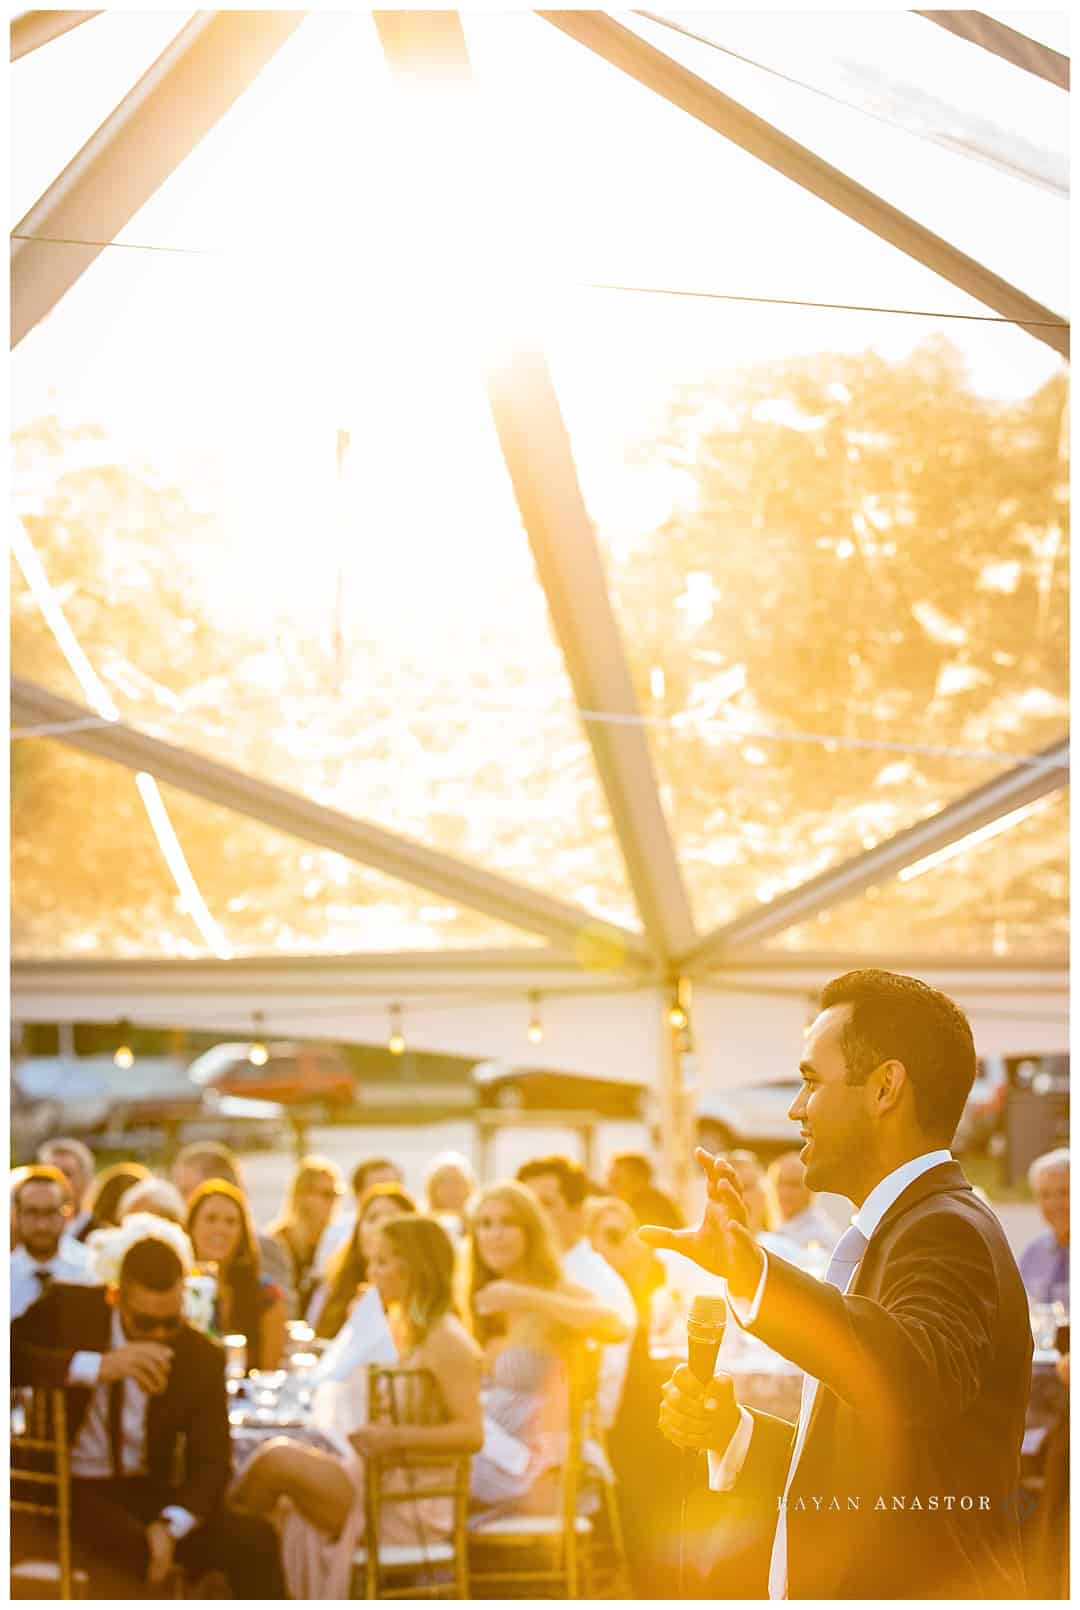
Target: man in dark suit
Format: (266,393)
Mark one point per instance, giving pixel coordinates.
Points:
(148,1429)
(900,1479)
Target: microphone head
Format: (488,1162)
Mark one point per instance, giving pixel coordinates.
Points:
(708,1313)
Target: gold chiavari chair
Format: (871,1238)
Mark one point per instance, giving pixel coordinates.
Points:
(562,1541)
(610,1563)
(41,1486)
(431,1567)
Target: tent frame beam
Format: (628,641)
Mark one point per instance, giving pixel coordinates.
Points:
(663,75)
(562,924)
(143,140)
(1020,786)
(977,28)
(36,28)
(422,48)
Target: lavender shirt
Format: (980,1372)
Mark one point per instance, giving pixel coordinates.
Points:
(1044,1266)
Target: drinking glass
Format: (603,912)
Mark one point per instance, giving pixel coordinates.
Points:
(235,1360)
(1044,1326)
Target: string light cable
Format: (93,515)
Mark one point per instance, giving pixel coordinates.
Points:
(972,153)
(602,285)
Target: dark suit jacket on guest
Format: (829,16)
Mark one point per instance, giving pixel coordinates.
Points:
(193,1406)
(925,1370)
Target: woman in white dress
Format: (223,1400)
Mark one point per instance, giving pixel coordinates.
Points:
(316,1499)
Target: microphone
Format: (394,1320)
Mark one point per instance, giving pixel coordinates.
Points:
(704,1333)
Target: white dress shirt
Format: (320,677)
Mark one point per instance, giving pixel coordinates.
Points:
(91,1452)
(71,1263)
(724,1468)
(584,1265)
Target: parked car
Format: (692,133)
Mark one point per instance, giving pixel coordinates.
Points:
(296,1075)
(76,1086)
(753,1115)
(158,1092)
(983,1116)
(32,1121)
(508,1086)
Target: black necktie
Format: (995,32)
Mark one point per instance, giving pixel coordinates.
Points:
(116,1440)
(44,1278)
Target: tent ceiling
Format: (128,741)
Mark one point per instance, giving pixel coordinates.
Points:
(628,783)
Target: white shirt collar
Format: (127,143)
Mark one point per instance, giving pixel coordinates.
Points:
(888,1190)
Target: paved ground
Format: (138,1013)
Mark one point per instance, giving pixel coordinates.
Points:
(267,1173)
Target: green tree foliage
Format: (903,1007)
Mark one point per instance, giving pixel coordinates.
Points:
(879,554)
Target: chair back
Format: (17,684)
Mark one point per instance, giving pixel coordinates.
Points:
(41,1467)
(401,1395)
(584,1380)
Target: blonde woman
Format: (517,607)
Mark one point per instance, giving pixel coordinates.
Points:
(530,1321)
(309,1207)
(347,1270)
(318,1500)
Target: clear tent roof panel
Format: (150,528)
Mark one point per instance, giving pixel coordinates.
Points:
(1007,897)
(905,528)
(405,671)
(906,66)
(97,64)
(89,878)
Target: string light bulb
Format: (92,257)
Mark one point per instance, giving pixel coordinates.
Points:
(396,1042)
(535,1031)
(678,1014)
(258,1055)
(124,1056)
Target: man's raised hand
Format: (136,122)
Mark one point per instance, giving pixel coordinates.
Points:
(721,1243)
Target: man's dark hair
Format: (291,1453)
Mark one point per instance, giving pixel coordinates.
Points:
(151,1263)
(210,1159)
(573,1181)
(636,1160)
(358,1177)
(41,1174)
(901,1018)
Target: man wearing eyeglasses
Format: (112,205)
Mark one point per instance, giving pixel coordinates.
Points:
(44,1253)
(144,1388)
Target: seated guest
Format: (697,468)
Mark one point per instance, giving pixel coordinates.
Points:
(448,1185)
(751,1177)
(41,1205)
(159,1197)
(630,1177)
(372,1171)
(411,1262)
(1044,1262)
(212,1160)
(559,1185)
(142,1385)
(612,1228)
(309,1207)
(76,1162)
(797,1215)
(103,1199)
(349,1268)
(248,1303)
(530,1320)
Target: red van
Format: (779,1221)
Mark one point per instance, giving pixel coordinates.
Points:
(296,1075)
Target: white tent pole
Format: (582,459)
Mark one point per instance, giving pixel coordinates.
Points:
(709,105)
(563,924)
(33,29)
(176,102)
(1020,786)
(427,53)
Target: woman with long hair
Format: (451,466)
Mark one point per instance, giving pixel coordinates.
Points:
(106,1189)
(318,1500)
(219,1225)
(348,1268)
(530,1321)
(309,1207)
